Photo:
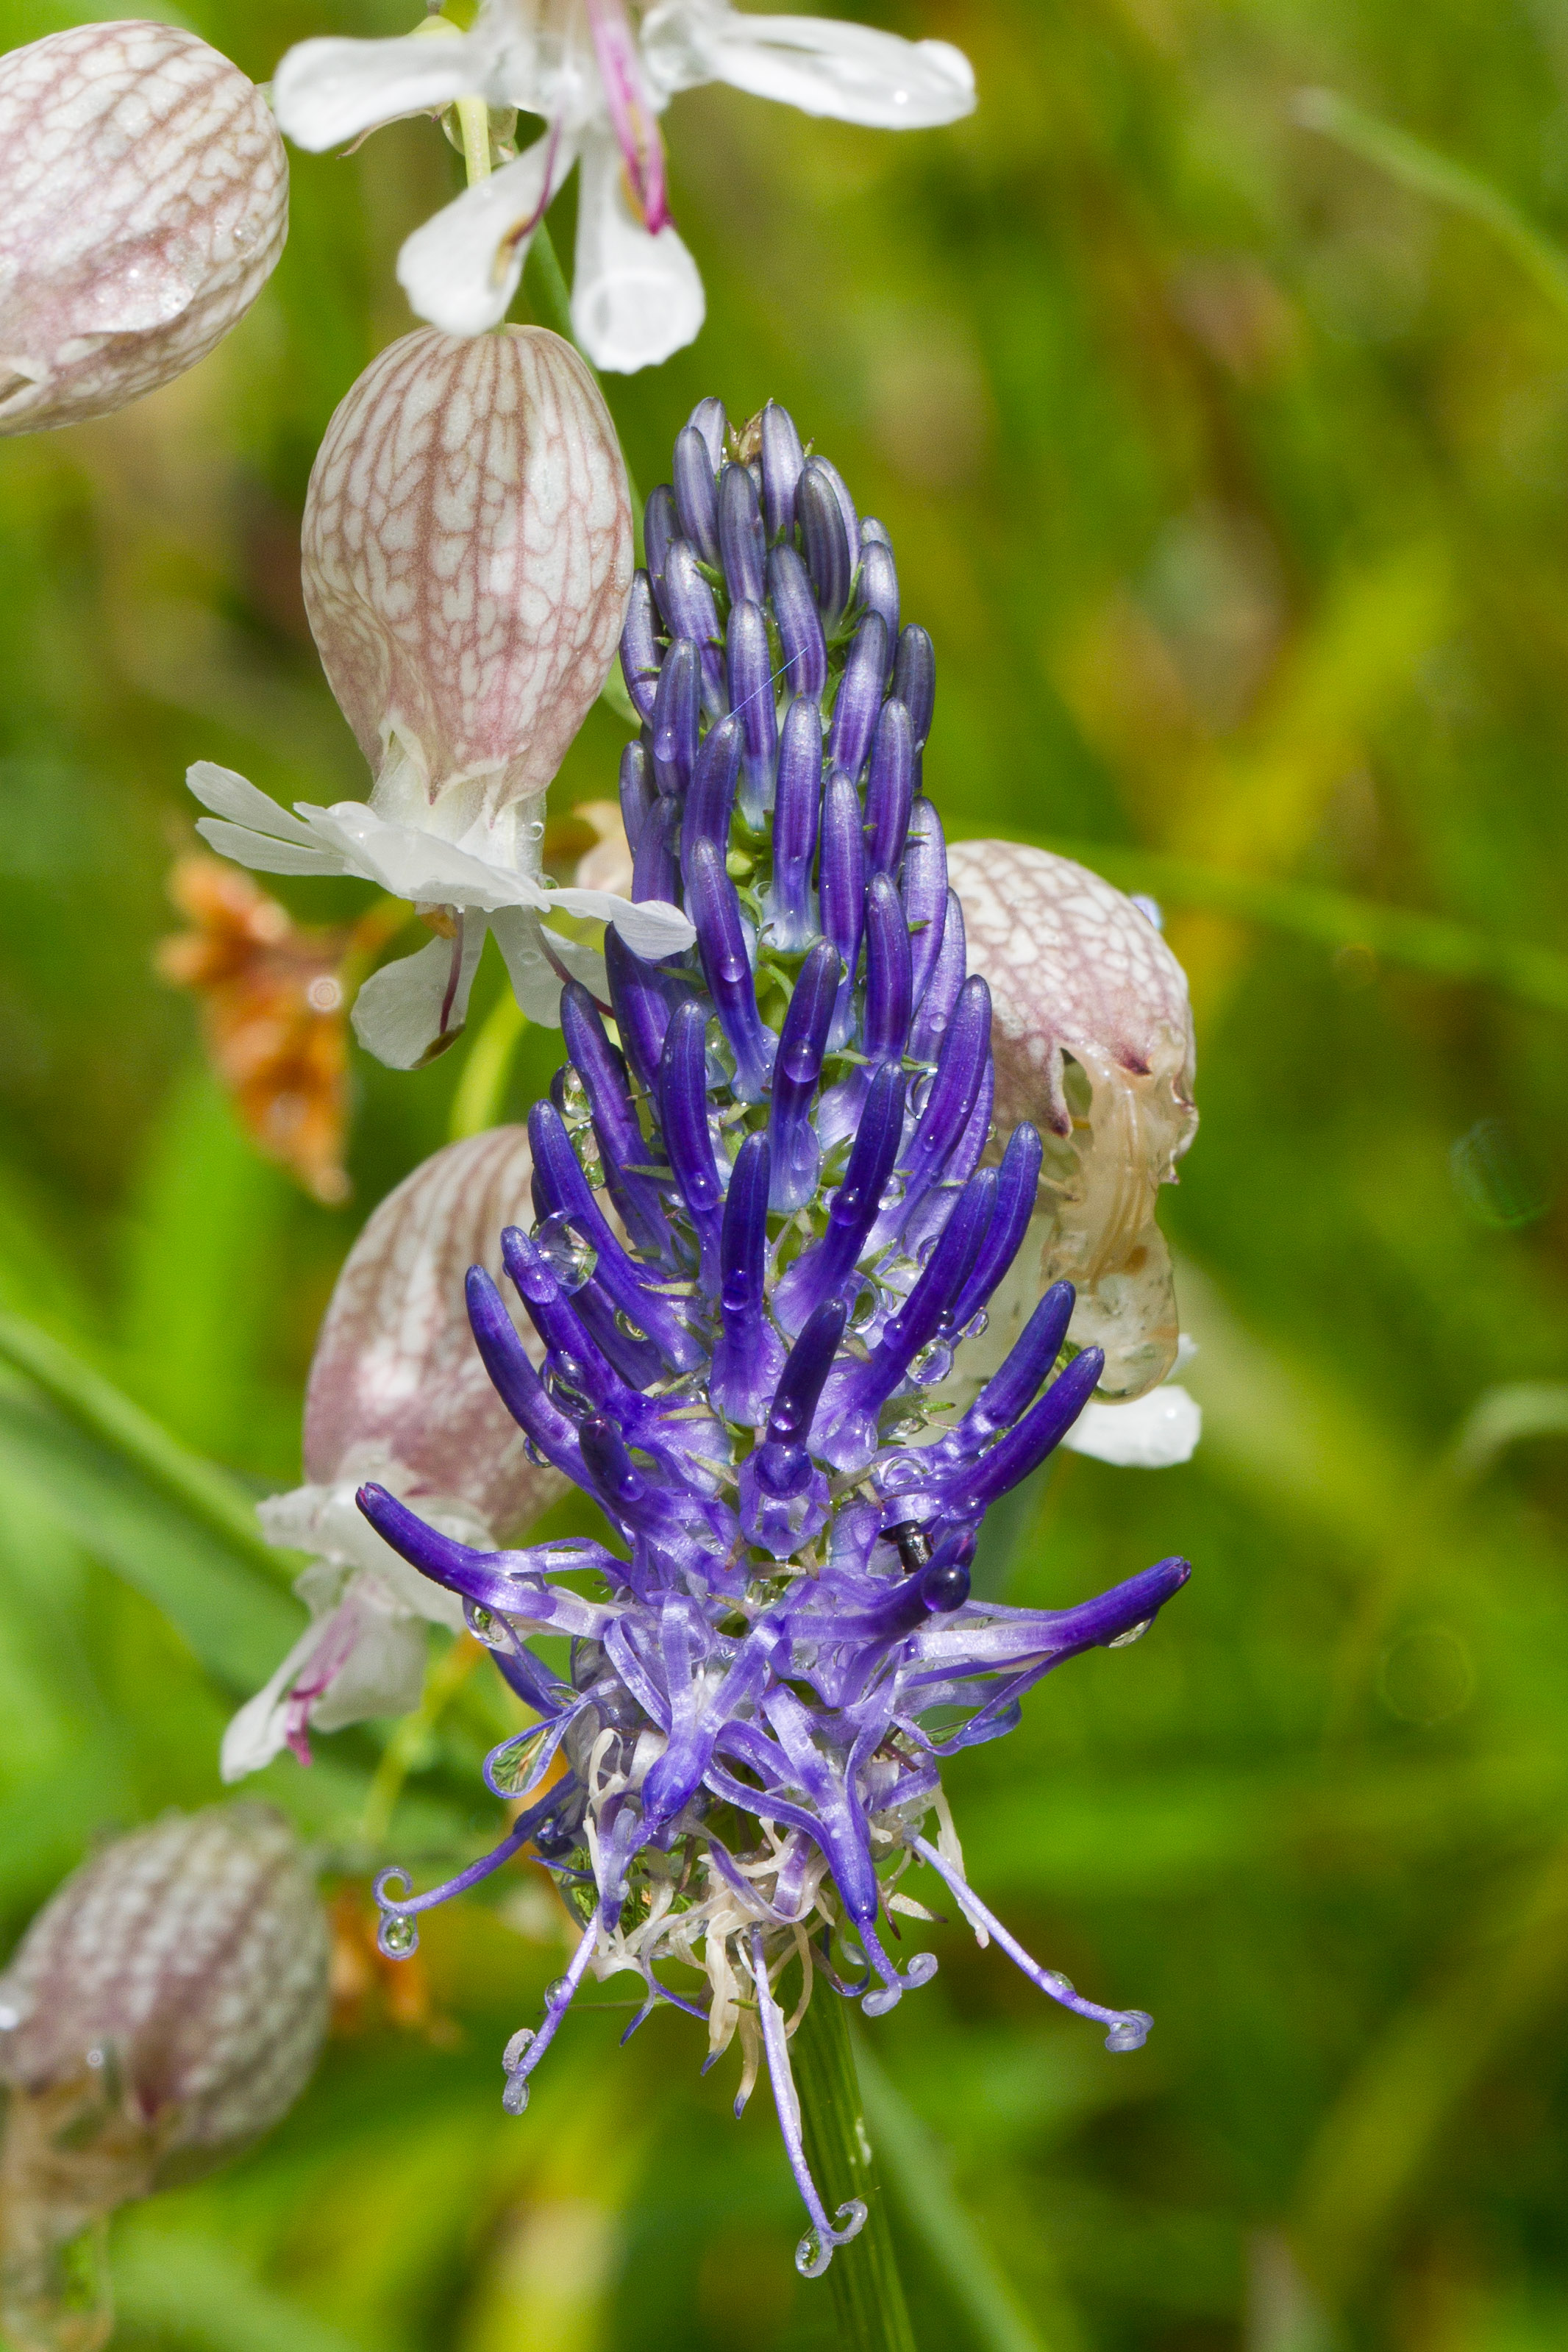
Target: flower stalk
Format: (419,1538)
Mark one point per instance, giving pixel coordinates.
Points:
(867,2293)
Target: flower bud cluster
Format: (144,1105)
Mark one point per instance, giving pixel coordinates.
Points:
(743,1366)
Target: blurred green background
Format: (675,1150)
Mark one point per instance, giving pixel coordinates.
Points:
(1231,475)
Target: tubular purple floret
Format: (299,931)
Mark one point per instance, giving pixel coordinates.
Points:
(711,798)
(660,526)
(637,789)
(674,723)
(742,544)
(878,585)
(821,1271)
(623,1147)
(696,500)
(799,624)
(640,646)
(1018,1381)
(1017,1189)
(640,1001)
(656,865)
(715,910)
(841,893)
(937,1001)
(889,980)
(923,888)
(565,1191)
(961,1068)
(782,462)
(747,1354)
(710,419)
(688,601)
(798,807)
(972,1489)
(798,1067)
(750,660)
(890,789)
(515,1381)
(860,698)
(828,559)
(914,679)
(683,1108)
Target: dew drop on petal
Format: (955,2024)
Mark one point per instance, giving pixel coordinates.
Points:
(570,1257)
(397,1936)
(1133,1633)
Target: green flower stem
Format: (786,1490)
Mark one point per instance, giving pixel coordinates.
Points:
(868,2294)
(94,1404)
(477,1101)
(1433,944)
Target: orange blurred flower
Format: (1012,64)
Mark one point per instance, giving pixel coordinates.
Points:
(273,1003)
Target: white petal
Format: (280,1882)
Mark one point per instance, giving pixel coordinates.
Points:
(383,1674)
(461,269)
(327,91)
(535,978)
(650,926)
(230,796)
(259,1731)
(635,297)
(326,1521)
(397,1013)
(849,71)
(412,864)
(1154,1432)
(262,852)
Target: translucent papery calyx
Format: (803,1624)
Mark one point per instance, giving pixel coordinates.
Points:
(762,1233)
(467,550)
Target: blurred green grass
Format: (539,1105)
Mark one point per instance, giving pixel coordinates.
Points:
(1231,476)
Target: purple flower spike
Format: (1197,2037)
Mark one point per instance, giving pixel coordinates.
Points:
(623,1147)
(709,419)
(925,892)
(799,623)
(802,1041)
(782,462)
(890,789)
(859,696)
(640,646)
(750,680)
(886,1026)
(741,543)
(640,1002)
(936,1002)
(660,526)
(683,1114)
(914,679)
(1017,1189)
(797,806)
(878,582)
(637,789)
(706,816)
(823,1270)
(688,601)
(828,557)
(696,499)
(842,892)
(675,717)
(655,865)
(783,1645)
(722,944)
(748,1356)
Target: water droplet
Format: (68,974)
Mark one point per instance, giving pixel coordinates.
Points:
(624,1323)
(933,1362)
(1133,1633)
(865,1306)
(1054,1981)
(397,1936)
(906,1431)
(536,1454)
(514,2098)
(976,1326)
(536,828)
(557,1993)
(570,1257)
(809,2259)
(94,2056)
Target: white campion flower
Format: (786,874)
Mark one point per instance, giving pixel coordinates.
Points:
(600,75)
(143,202)
(397,1393)
(1092,1040)
(468,556)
